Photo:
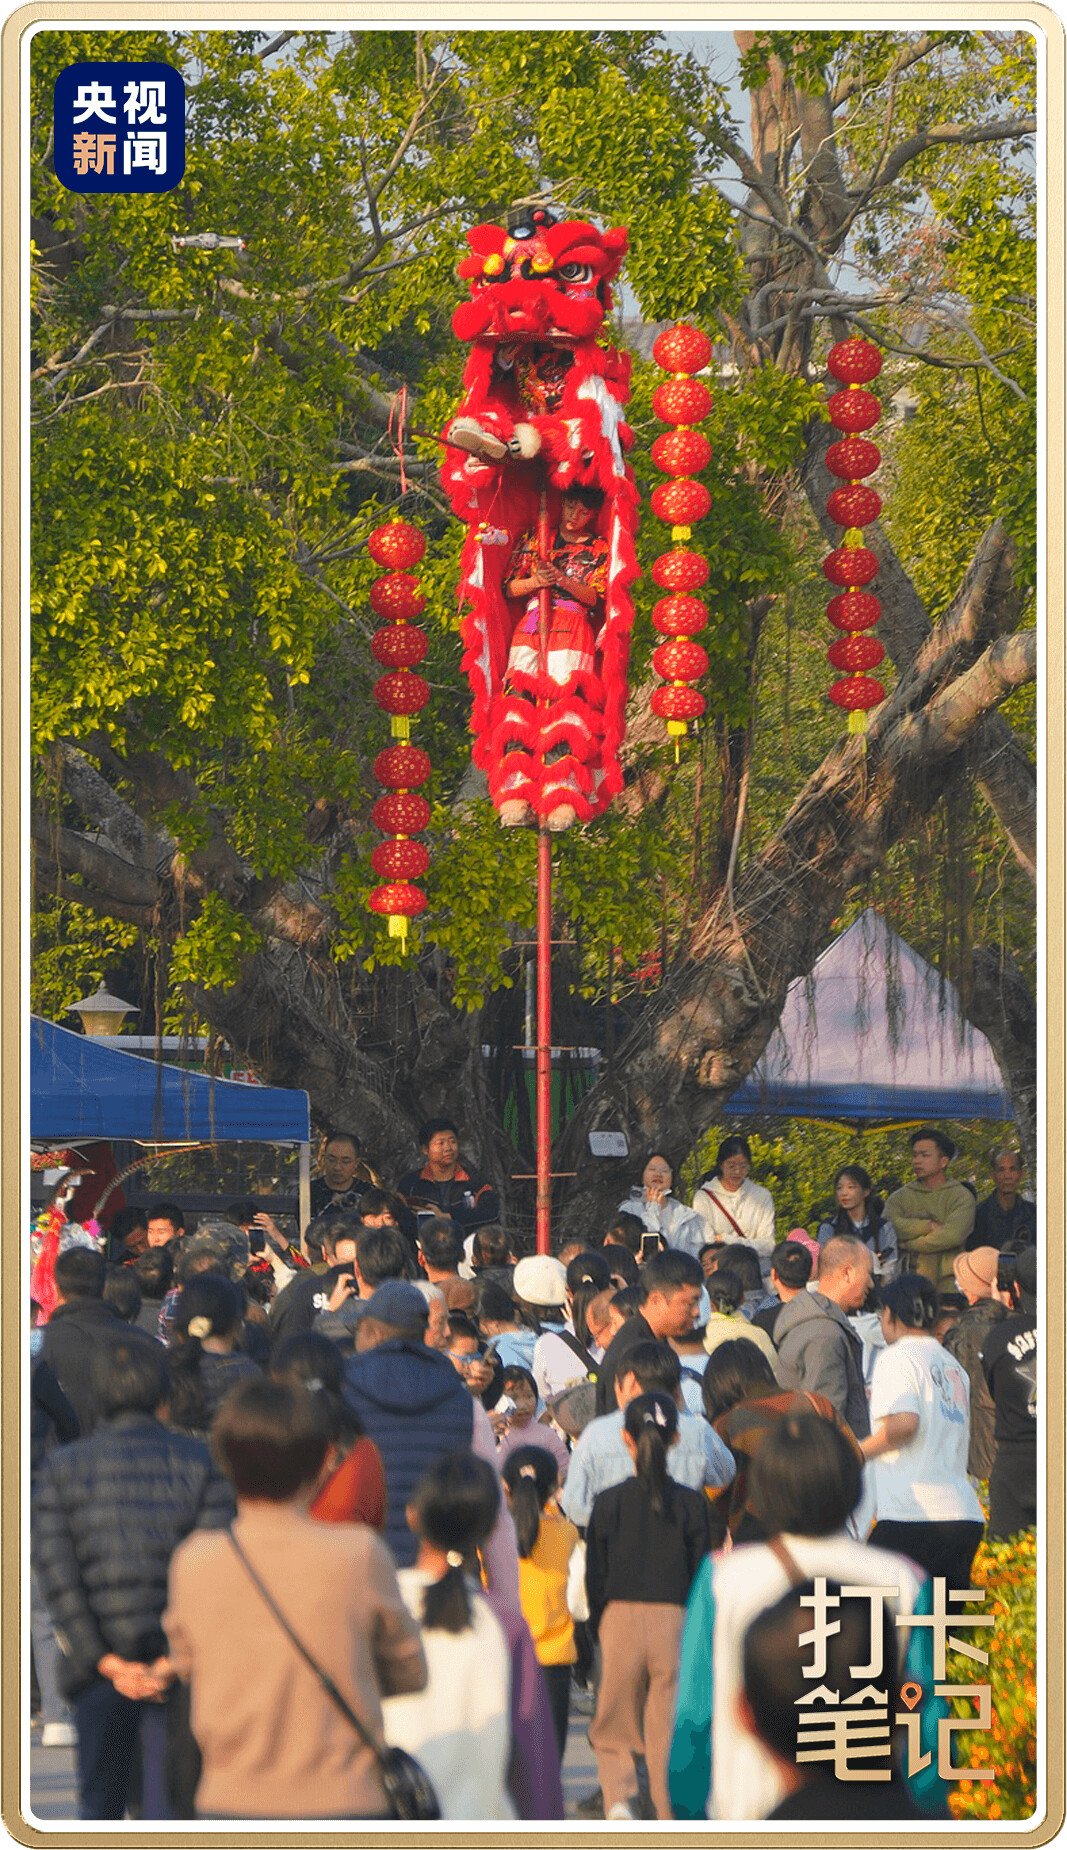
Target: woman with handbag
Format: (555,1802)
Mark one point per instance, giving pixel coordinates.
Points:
(732,1206)
(459,1725)
(289,1631)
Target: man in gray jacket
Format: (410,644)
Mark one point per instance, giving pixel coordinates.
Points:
(818,1349)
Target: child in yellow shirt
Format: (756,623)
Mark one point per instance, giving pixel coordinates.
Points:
(546,1542)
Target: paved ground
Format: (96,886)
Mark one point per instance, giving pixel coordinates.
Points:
(53,1789)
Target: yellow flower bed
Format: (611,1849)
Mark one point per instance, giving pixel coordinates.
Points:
(1009,1571)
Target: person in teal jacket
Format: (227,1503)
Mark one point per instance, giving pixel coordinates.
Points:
(805,1482)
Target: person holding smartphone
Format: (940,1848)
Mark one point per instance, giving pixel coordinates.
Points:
(661,1213)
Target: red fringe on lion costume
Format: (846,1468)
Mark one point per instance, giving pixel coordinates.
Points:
(542,417)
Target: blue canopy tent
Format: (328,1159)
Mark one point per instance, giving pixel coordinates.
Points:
(80,1092)
(873,1036)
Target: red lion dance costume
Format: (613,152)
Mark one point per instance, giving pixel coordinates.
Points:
(539,434)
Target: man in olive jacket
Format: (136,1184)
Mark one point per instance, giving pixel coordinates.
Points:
(819,1352)
(933,1216)
(108,1512)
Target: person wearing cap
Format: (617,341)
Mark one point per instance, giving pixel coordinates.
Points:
(1009,1362)
(1004,1216)
(415,1407)
(976,1275)
(558,1358)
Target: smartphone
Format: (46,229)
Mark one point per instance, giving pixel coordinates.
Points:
(256,1241)
(649,1246)
(505,1405)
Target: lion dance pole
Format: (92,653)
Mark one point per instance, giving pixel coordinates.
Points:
(536,468)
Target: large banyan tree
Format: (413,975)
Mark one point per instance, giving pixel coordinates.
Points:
(215,438)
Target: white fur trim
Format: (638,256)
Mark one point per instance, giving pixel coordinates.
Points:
(527,440)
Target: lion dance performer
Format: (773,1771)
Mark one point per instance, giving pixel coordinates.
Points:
(536,468)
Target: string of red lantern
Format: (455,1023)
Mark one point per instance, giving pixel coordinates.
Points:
(399,647)
(681,453)
(854,363)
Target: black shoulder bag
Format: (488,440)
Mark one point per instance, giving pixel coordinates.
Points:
(408,1789)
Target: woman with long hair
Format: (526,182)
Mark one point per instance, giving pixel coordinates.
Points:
(744,1403)
(926,1505)
(459,1726)
(646,1540)
(859,1214)
(731,1205)
(546,1542)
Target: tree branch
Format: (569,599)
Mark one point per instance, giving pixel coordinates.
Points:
(857,85)
(945,135)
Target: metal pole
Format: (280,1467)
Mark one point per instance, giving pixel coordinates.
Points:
(544,1038)
(544,940)
(305,1192)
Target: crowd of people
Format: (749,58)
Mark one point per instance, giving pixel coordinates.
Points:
(300,1504)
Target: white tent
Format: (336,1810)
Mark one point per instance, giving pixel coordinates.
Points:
(873,1035)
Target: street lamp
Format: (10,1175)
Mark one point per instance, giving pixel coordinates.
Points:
(103,1013)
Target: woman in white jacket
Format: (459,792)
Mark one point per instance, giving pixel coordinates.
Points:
(656,1205)
(732,1207)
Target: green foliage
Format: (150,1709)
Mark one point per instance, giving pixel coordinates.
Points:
(210,954)
(73,952)
(800,1157)
(201,577)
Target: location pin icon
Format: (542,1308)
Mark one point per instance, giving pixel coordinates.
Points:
(911,1694)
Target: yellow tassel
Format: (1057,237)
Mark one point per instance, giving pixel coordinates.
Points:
(681,533)
(857,720)
(853,537)
(400,726)
(398,925)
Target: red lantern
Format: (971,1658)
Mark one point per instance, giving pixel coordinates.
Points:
(682,349)
(680,504)
(858,694)
(854,362)
(402,767)
(851,565)
(399,597)
(680,660)
(402,813)
(680,570)
(678,704)
(681,401)
(854,652)
(400,860)
(402,693)
(854,410)
(400,646)
(397,902)
(852,457)
(854,506)
(681,452)
(397,545)
(854,610)
(679,616)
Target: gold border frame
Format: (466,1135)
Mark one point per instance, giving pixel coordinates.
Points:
(714,13)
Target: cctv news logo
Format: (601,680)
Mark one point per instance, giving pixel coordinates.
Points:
(119,128)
